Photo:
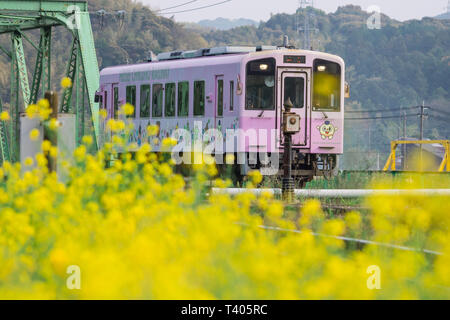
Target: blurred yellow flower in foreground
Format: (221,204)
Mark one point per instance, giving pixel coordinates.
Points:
(138,230)
(4,116)
(34,134)
(66,83)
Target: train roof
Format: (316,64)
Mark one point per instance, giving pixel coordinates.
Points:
(205,57)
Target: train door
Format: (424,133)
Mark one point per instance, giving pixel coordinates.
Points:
(113,111)
(219,107)
(294,85)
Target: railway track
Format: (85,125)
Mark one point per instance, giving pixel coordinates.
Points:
(337,193)
(341,208)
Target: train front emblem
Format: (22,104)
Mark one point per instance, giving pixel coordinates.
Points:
(327,130)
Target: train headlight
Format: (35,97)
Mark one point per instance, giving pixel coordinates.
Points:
(263,67)
(321,68)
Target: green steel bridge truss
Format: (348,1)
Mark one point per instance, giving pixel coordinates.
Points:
(19,16)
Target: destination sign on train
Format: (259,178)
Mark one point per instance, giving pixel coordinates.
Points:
(294,59)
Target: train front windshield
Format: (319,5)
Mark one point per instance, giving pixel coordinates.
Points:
(260,86)
(326,86)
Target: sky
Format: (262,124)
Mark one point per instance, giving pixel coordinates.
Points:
(261,9)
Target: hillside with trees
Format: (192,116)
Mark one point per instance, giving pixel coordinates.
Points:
(398,66)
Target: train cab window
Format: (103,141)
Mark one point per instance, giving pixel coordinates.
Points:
(145,101)
(105,103)
(183,99)
(326,86)
(294,88)
(199,98)
(131,99)
(157,100)
(170,100)
(231,95)
(260,85)
(220,98)
(116,102)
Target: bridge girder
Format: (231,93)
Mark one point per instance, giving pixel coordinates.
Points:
(18,16)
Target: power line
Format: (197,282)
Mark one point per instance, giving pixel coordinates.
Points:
(121,13)
(381,110)
(441,112)
(384,117)
(177,6)
(198,8)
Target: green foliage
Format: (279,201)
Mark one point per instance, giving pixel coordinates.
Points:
(400,65)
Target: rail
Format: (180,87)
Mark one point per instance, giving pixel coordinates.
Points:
(342,193)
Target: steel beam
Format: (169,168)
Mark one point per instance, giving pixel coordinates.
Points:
(43,52)
(4,147)
(14,111)
(91,70)
(46,60)
(38,6)
(66,102)
(21,66)
(17,16)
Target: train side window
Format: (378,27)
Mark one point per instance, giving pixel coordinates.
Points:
(183,99)
(220,98)
(231,95)
(157,100)
(131,99)
(105,105)
(116,102)
(170,100)
(199,98)
(145,101)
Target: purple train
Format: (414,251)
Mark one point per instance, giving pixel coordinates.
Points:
(232,98)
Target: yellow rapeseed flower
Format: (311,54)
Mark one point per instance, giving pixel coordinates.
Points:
(127,109)
(152,130)
(256,177)
(53,152)
(80,153)
(229,158)
(353,220)
(54,124)
(4,116)
(66,83)
(46,145)
(28,162)
(32,110)
(44,104)
(88,140)
(34,134)
(169,142)
(103,113)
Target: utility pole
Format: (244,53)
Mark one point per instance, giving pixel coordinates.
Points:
(404,138)
(422,119)
(422,116)
(308,19)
